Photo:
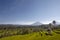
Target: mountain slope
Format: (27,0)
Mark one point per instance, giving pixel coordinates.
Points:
(36,24)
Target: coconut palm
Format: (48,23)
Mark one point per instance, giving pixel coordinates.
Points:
(54,22)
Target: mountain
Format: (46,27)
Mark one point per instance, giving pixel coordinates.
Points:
(36,24)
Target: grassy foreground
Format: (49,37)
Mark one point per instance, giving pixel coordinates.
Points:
(33,36)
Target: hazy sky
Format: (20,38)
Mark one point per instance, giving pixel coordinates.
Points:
(29,11)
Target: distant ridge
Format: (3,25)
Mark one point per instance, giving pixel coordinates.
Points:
(36,24)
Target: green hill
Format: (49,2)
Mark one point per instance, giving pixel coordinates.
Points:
(33,36)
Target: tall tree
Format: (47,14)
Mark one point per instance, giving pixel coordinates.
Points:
(50,28)
(50,25)
(54,22)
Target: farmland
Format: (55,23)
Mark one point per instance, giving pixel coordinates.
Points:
(33,36)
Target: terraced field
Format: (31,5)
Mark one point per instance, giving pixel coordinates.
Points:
(33,36)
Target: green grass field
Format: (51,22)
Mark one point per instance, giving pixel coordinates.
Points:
(33,36)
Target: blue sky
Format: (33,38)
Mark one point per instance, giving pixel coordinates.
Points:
(29,11)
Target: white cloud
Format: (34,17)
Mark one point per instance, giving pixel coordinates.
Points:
(21,23)
(46,22)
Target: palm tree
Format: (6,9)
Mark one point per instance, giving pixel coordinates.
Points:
(54,22)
